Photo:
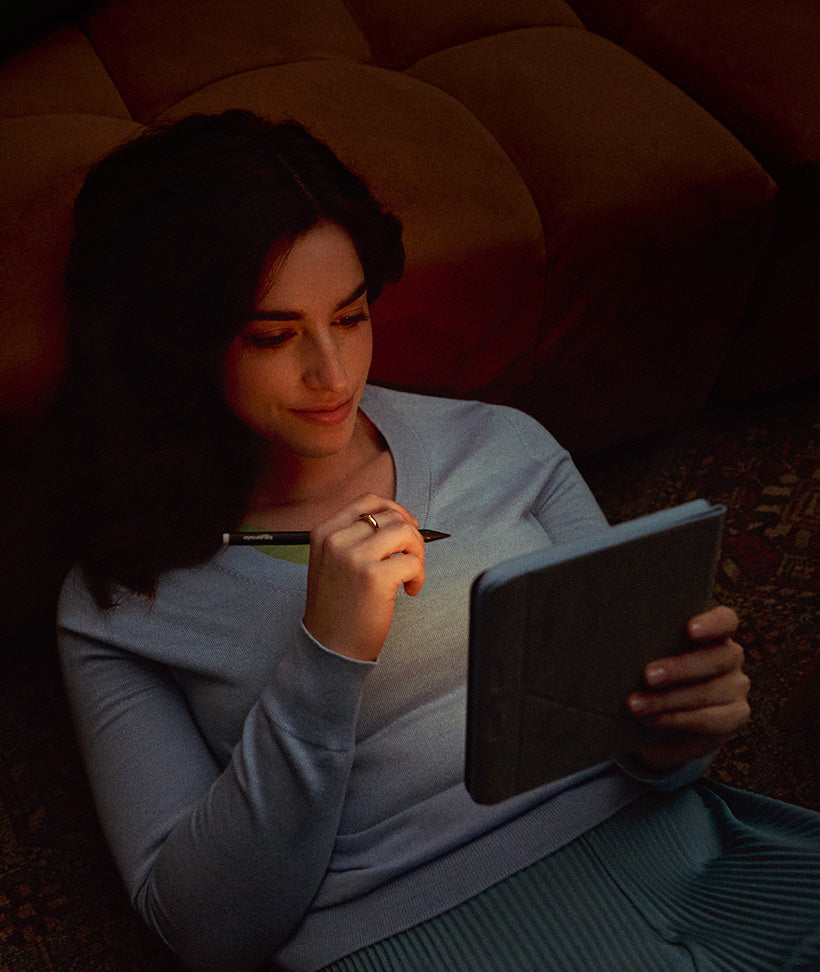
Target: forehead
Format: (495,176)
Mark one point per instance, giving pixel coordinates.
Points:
(321,265)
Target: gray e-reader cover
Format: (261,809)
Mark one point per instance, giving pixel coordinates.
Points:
(560,637)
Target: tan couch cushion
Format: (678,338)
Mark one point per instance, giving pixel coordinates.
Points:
(401,32)
(652,214)
(752,64)
(61,74)
(158,53)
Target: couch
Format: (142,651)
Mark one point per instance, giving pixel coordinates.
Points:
(753,65)
(590,235)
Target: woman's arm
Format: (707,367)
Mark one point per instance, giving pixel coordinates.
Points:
(222,863)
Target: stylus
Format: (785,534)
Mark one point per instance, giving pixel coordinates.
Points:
(276,538)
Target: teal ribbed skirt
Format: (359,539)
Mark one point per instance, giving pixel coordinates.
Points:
(711,878)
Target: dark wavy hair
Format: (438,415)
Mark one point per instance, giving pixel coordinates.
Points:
(173,233)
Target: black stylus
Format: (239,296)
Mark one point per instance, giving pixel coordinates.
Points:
(281,538)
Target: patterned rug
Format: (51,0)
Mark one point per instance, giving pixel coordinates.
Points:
(62,908)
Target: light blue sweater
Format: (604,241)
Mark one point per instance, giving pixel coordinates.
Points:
(266,798)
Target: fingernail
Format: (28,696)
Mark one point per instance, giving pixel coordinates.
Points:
(638,703)
(655,674)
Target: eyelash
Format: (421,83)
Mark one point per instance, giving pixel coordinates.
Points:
(353,319)
(267,341)
(272,341)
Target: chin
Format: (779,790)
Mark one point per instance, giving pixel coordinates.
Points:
(313,441)
(323,447)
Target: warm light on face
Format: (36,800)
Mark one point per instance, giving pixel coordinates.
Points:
(295,373)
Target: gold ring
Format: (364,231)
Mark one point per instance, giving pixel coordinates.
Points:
(369,518)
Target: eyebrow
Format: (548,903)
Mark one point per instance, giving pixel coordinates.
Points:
(286,315)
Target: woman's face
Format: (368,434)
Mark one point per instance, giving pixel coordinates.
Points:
(295,373)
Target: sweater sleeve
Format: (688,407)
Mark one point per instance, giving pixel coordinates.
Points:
(221,862)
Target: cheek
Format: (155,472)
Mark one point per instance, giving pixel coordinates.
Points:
(363,352)
(247,384)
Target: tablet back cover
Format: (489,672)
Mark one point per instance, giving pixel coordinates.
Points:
(559,638)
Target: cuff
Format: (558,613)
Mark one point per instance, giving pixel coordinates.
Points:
(663,779)
(314,693)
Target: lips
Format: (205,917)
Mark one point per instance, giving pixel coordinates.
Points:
(326,415)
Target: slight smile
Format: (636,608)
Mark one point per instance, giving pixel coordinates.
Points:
(325,416)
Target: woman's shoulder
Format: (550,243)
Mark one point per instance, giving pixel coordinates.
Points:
(421,406)
(452,420)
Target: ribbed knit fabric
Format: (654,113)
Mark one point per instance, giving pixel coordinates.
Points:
(711,879)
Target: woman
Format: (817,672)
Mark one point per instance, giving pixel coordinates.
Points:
(275,743)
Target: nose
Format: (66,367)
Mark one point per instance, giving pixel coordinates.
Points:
(324,369)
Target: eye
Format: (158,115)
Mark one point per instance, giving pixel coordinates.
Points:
(351,320)
(273,339)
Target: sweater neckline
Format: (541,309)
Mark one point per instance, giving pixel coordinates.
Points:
(410,457)
(413,481)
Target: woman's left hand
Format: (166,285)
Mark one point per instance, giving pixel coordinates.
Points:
(701,694)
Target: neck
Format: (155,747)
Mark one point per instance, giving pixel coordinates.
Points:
(294,492)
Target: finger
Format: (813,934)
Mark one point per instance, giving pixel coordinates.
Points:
(716,625)
(395,535)
(391,530)
(348,515)
(384,578)
(703,663)
(356,548)
(374,505)
(724,690)
(713,720)
(404,570)
(398,540)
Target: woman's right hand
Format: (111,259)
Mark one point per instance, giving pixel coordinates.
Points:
(356,572)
